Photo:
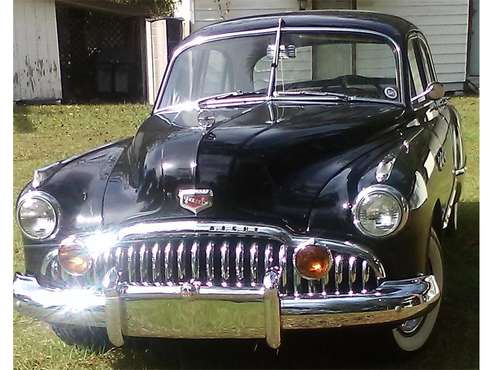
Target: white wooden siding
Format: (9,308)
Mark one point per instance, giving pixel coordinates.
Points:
(445,24)
(211,11)
(36,61)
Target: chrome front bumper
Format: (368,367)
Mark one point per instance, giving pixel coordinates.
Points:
(189,311)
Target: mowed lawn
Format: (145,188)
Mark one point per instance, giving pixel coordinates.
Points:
(44,134)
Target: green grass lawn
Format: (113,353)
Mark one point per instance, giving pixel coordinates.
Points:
(44,134)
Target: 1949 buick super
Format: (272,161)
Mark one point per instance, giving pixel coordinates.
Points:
(297,172)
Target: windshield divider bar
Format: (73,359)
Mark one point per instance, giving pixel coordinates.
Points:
(275,60)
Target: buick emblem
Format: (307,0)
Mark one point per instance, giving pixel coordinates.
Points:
(195,200)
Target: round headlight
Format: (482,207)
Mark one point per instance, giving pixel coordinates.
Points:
(379,211)
(37,214)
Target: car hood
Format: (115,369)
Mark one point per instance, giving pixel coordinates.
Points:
(265,163)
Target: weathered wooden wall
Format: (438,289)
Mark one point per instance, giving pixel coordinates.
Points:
(36,59)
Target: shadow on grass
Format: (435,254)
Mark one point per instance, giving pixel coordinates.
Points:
(453,345)
(22,123)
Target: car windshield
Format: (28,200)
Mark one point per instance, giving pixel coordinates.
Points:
(318,65)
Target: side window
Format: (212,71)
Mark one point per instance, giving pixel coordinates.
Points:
(417,80)
(427,62)
(218,77)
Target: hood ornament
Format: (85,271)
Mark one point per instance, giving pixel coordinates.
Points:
(206,119)
(195,200)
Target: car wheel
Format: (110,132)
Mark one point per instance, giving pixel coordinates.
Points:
(413,334)
(92,338)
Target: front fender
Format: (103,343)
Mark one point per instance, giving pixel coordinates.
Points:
(403,253)
(78,185)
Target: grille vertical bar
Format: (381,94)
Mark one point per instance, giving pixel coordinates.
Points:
(351,273)
(181,261)
(338,266)
(254,263)
(239,262)
(168,267)
(195,262)
(224,263)
(157,266)
(209,261)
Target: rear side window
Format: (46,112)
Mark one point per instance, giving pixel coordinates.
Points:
(417,81)
(427,62)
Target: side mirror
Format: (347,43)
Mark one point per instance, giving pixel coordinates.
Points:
(434,91)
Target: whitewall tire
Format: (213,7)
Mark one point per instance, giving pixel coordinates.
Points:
(413,334)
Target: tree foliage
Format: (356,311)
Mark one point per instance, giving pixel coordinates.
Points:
(156,7)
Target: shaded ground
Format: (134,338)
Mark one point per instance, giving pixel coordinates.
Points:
(48,133)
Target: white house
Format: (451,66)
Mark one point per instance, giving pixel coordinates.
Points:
(86,49)
(451,26)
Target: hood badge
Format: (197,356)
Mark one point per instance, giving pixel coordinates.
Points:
(195,200)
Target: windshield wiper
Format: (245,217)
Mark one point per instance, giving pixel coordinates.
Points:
(337,96)
(232,94)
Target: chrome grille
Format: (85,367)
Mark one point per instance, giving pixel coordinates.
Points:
(218,260)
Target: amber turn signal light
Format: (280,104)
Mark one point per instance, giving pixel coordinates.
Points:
(74,258)
(313,262)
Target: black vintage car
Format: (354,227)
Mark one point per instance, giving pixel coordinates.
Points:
(297,172)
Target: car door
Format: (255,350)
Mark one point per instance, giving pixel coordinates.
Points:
(435,117)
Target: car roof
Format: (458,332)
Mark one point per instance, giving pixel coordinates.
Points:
(392,26)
